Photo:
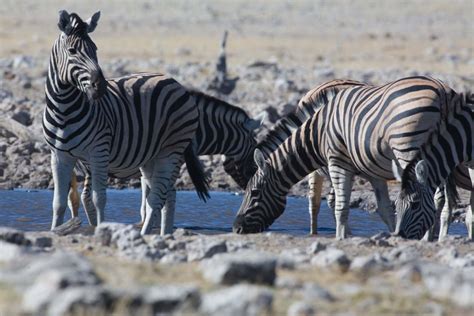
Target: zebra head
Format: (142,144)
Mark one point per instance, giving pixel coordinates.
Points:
(414,205)
(241,166)
(261,204)
(75,55)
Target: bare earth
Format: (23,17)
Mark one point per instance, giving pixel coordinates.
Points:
(298,45)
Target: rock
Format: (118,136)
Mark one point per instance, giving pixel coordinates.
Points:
(85,300)
(10,252)
(456,285)
(181,232)
(172,299)
(463,262)
(446,255)
(290,258)
(68,227)
(288,283)
(313,293)
(316,247)
(332,258)
(41,241)
(403,254)
(362,241)
(22,61)
(243,266)
(238,300)
(410,272)
(173,257)
(366,266)
(301,309)
(50,283)
(13,236)
(22,117)
(205,248)
(158,242)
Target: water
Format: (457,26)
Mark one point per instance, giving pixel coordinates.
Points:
(31,211)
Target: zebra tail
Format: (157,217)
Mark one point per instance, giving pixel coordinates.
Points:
(451,190)
(196,172)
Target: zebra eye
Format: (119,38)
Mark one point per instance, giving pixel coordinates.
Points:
(72,50)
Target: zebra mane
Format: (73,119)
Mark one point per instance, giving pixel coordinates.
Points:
(201,95)
(284,127)
(76,25)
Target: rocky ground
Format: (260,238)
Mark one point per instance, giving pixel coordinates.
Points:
(114,270)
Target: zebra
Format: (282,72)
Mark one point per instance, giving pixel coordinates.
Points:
(223,129)
(144,121)
(447,147)
(369,127)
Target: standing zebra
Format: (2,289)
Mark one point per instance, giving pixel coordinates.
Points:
(223,129)
(360,131)
(144,121)
(447,147)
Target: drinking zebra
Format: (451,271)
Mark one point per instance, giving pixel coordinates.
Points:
(144,121)
(447,147)
(223,129)
(360,131)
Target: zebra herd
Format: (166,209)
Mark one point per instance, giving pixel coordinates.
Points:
(417,130)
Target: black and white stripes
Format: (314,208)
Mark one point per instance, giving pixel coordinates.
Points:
(141,121)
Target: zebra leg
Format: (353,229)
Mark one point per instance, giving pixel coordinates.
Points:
(314,197)
(331,200)
(99,186)
(145,192)
(342,183)
(469,213)
(86,198)
(158,175)
(62,166)
(443,217)
(384,205)
(73,197)
(167,212)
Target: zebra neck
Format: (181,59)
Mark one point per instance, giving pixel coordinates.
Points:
(281,131)
(297,157)
(449,146)
(62,99)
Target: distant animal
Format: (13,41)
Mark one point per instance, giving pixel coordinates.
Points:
(369,127)
(223,129)
(447,147)
(141,121)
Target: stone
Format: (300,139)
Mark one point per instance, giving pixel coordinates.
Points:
(312,292)
(462,262)
(22,117)
(13,236)
(362,241)
(410,272)
(238,300)
(205,248)
(172,299)
(332,258)
(243,266)
(291,258)
(316,247)
(301,309)
(403,254)
(181,232)
(10,252)
(366,266)
(85,300)
(443,282)
(173,257)
(41,241)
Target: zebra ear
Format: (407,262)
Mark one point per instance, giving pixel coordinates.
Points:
(260,161)
(92,22)
(421,171)
(255,123)
(397,171)
(63,20)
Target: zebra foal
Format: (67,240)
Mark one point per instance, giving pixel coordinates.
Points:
(141,121)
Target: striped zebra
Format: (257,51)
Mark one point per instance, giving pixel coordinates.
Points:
(360,131)
(144,121)
(223,129)
(447,147)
